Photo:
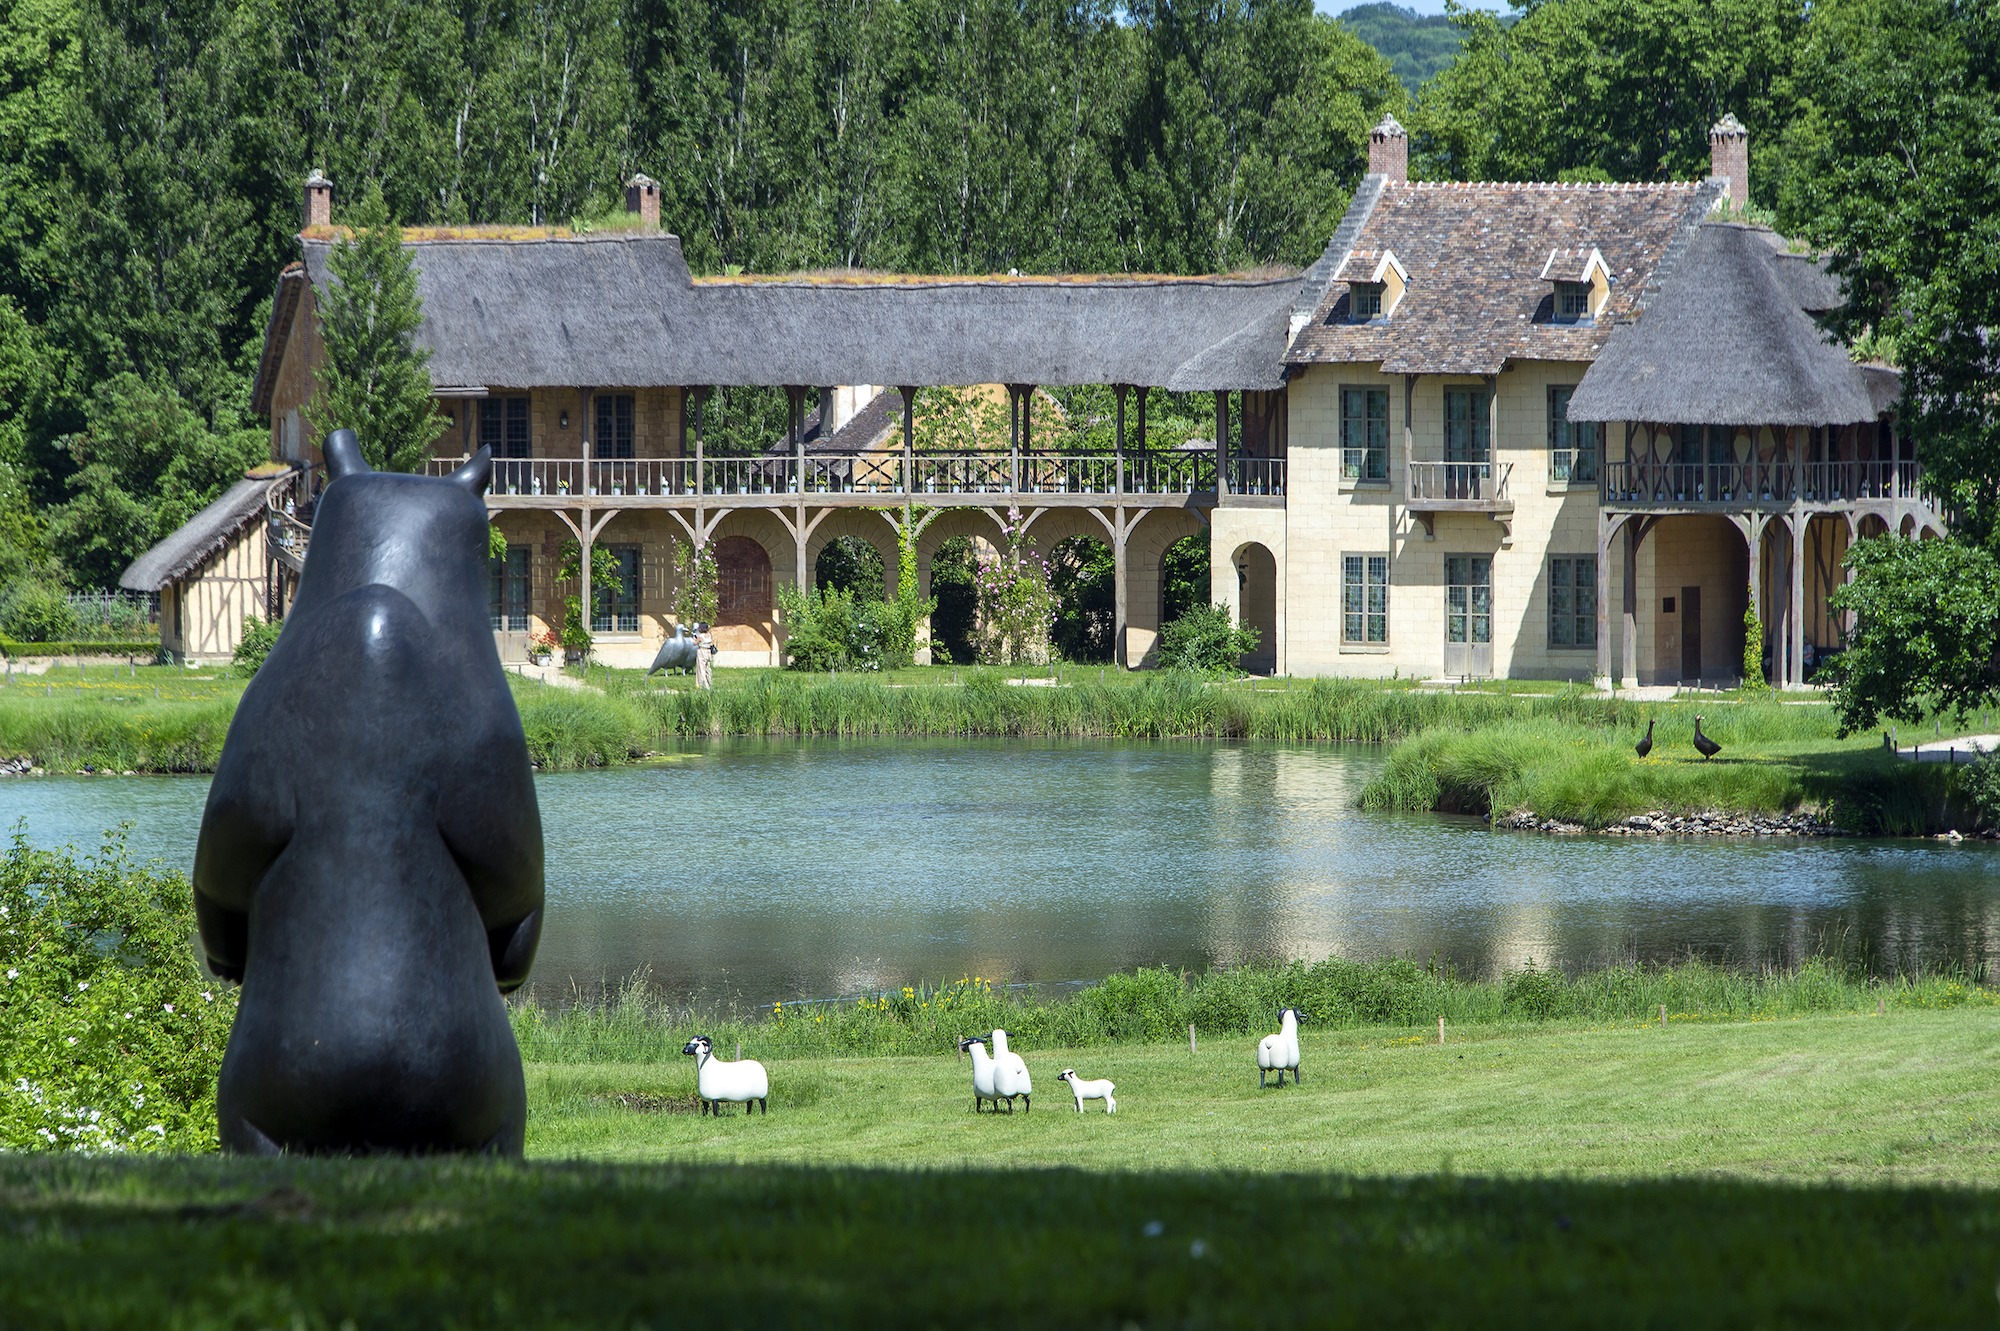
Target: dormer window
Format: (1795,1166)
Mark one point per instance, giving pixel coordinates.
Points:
(1582,284)
(1375,285)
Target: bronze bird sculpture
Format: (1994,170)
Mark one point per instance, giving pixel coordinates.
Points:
(1707,747)
(1645,746)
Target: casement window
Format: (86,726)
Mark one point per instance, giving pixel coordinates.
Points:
(1572,301)
(614,426)
(1364,302)
(1364,434)
(619,612)
(1573,601)
(503,426)
(509,589)
(1468,428)
(1364,599)
(1574,446)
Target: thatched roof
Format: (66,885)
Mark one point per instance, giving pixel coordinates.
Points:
(203,535)
(1184,334)
(1726,341)
(574,311)
(1476,255)
(620,310)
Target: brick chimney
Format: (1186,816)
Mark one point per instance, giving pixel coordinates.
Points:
(642,196)
(1729,157)
(319,200)
(1389,151)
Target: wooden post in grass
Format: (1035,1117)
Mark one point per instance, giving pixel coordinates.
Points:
(1190,1037)
(739,1051)
(1881,1006)
(1663,1016)
(1440,1030)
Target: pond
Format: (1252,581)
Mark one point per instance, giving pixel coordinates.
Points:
(747,871)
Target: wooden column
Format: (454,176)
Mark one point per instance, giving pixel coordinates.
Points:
(1013,438)
(1755,536)
(909,392)
(700,410)
(1796,677)
(1629,618)
(1221,443)
(795,421)
(1604,529)
(1120,569)
(1119,391)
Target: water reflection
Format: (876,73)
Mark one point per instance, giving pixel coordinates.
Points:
(757,871)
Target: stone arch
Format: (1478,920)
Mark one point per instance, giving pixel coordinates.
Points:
(1083,577)
(1257,603)
(1146,546)
(756,546)
(1871,526)
(864,524)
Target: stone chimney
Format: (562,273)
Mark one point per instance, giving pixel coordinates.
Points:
(1729,157)
(642,196)
(319,200)
(1389,151)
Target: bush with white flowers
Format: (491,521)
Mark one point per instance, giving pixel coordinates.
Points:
(110,1033)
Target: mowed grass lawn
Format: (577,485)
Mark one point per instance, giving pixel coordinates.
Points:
(1827,1171)
(1904,1098)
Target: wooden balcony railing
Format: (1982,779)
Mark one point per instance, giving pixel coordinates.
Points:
(1462,485)
(887,473)
(1758,483)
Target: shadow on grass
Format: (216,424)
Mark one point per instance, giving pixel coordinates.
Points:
(206,1242)
(1874,793)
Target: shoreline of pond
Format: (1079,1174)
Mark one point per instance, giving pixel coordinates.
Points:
(1553,757)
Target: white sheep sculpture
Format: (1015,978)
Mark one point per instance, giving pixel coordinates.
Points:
(1280,1053)
(743,1082)
(1010,1075)
(1100,1089)
(982,1074)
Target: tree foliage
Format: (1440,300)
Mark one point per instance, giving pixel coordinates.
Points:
(1926,635)
(373,379)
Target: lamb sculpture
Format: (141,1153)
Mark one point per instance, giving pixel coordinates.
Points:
(1100,1089)
(716,1082)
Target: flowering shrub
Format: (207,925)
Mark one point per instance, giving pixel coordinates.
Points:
(1017,611)
(110,1034)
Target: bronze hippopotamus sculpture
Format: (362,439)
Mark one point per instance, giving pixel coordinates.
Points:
(370,860)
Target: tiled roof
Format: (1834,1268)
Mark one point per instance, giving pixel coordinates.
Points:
(1475,255)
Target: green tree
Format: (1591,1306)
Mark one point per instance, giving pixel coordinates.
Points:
(1926,635)
(1610,90)
(373,380)
(145,463)
(1899,177)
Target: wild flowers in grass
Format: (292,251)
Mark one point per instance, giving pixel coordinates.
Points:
(110,1034)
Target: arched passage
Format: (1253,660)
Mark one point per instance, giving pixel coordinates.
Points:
(1257,601)
(852,565)
(1082,576)
(1183,576)
(955,621)
(744,619)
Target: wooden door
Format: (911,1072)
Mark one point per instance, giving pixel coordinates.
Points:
(1691,633)
(1468,615)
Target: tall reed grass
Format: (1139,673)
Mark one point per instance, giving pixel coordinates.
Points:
(66,734)
(635,1025)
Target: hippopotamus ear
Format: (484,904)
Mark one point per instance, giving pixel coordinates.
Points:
(343,455)
(477,471)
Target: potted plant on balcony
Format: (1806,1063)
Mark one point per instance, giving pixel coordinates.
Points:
(542,646)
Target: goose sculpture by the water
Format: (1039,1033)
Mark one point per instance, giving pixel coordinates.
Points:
(1707,747)
(1645,746)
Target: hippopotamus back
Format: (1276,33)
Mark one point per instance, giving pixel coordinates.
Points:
(370,860)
